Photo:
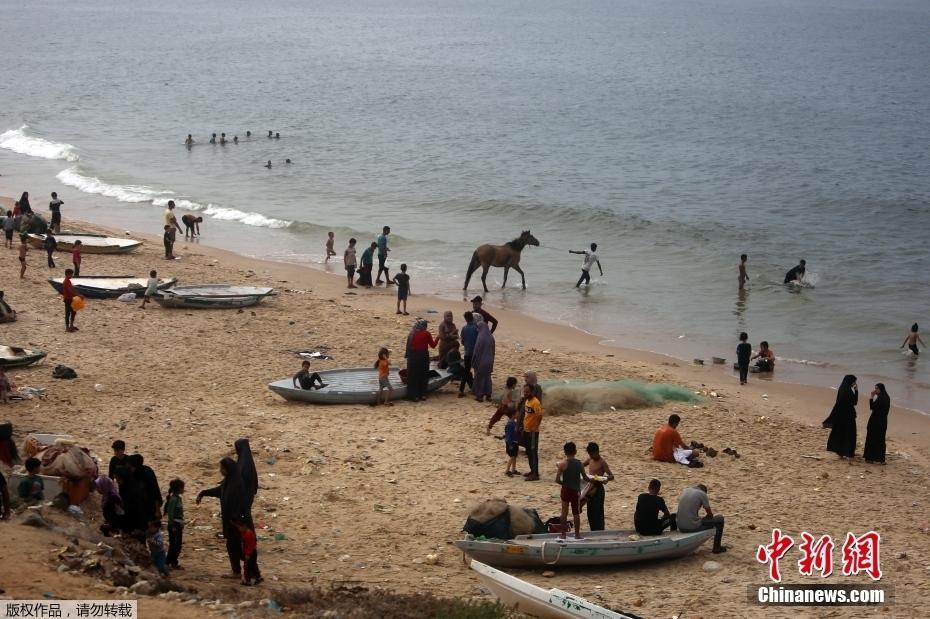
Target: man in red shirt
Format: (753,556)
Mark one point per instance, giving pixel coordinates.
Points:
(666,440)
(67,292)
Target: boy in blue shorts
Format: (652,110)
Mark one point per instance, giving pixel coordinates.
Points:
(403,288)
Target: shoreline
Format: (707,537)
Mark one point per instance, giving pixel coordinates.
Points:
(798,400)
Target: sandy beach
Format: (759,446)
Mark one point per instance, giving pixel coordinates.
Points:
(364,494)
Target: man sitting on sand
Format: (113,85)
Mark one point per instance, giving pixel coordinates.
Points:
(648,507)
(692,500)
(667,439)
(305,380)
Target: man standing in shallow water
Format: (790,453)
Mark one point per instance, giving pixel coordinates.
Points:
(590,259)
(743,276)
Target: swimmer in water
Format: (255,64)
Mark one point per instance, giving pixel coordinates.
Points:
(235,139)
(248,134)
(213,139)
(743,276)
(223,138)
(912,339)
(277,136)
(270,133)
(268,165)
(287,161)
(189,141)
(796,275)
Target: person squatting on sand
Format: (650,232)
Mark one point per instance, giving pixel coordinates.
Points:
(689,519)
(595,494)
(649,505)
(842,419)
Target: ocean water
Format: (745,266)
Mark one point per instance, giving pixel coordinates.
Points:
(675,134)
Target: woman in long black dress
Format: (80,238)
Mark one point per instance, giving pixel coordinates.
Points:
(878,425)
(233,498)
(842,419)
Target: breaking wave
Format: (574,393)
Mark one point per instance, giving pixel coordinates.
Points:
(17,141)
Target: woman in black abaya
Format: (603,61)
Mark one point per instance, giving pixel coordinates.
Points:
(233,505)
(878,425)
(842,419)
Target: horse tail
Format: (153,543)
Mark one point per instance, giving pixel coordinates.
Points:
(475,262)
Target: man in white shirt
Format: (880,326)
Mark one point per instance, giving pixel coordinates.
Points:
(590,259)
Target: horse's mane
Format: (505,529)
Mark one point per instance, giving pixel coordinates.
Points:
(518,243)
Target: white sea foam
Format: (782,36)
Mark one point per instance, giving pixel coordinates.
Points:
(17,141)
(141,193)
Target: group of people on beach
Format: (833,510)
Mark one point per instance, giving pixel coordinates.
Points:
(842,422)
(133,508)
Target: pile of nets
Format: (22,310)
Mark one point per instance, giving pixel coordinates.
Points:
(571,396)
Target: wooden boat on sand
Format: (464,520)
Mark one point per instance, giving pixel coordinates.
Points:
(352,386)
(529,599)
(109,286)
(90,243)
(597,548)
(212,296)
(15,357)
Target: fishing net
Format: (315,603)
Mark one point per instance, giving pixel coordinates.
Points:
(570,396)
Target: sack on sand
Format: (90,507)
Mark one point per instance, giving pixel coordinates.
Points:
(127,297)
(63,371)
(496,518)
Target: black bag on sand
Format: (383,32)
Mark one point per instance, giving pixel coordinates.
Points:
(63,371)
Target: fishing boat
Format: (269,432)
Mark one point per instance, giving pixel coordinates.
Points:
(15,357)
(212,296)
(352,386)
(529,599)
(90,243)
(597,548)
(109,286)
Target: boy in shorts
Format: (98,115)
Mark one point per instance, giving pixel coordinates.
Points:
(403,288)
(330,241)
(511,443)
(569,474)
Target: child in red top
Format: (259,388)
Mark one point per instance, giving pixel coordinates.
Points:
(67,292)
(383,365)
(76,258)
(249,547)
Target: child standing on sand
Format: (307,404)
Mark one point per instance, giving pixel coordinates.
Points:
(403,288)
(76,258)
(174,512)
(23,250)
(8,225)
(569,474)
(156,543)
(330,241)
(511,444)
(348,259)
(249,553)
(151,288)
(384,382)
(50,244)
(912,339)
(743,355)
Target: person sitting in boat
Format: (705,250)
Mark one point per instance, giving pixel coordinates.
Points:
(453,362)
(7,313)
(648,507)
(305,380)
(766,358)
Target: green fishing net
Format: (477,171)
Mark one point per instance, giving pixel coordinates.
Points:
(568,396)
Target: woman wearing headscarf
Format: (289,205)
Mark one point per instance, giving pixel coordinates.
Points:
(482,360)
(842,419)
(234,504)
(247,470)
(111,505)
(418,344)
(880,404)
(448,336)
(24,207)
(132,497)
(148,485)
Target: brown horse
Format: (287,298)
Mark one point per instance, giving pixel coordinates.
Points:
(507,256)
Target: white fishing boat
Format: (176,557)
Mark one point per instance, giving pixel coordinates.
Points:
(109,286)
(16,357)
(597,548)
(352,386)
(212,296)
(90,243)
(529,599)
